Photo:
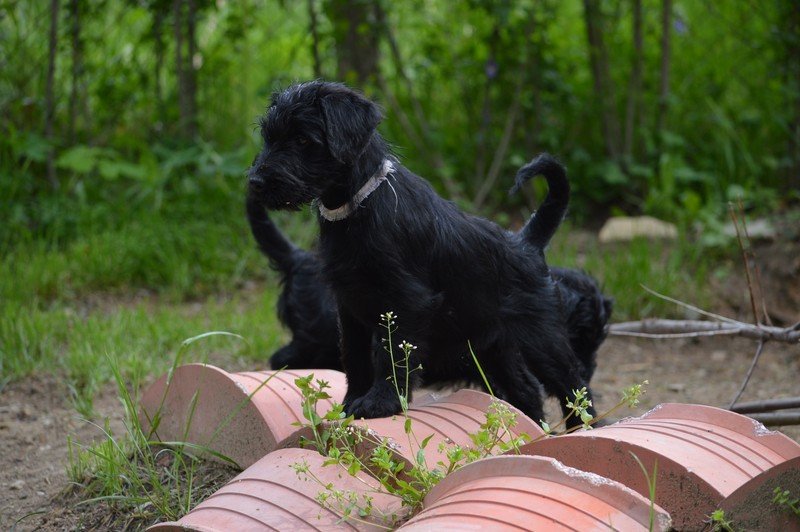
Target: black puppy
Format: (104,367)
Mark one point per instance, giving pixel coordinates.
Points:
(307,307)
(587,312)
(388,242)
(306,304)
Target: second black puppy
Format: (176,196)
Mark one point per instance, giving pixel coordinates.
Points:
(306,305)
(388,242)
(587,312)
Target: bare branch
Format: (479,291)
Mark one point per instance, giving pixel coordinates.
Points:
(774,419)
(746,380)
(660,328)
(767,405)
(692,307)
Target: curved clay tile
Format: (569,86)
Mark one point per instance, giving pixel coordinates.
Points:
(705,455)
(448,419)
(240,415)
(270,495)
(533,493)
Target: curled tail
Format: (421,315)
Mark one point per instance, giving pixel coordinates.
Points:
(270,241)
(543,224)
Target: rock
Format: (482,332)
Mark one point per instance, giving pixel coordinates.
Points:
(761,229)
(623,228)
(17,485)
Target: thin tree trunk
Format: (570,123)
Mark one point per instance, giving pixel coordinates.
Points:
(793,74)
(511,119)
(663,85)
(491,71)
(77,65)
(158,67)
(601,76)
(177,16)
(190,71)
(314,29)
(422,140)
(49,98)
(635,87)
(357,50)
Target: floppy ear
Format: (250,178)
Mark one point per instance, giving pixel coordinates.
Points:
(350,120)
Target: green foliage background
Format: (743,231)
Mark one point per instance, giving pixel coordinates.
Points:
(728,131)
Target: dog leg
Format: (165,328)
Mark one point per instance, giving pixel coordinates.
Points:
(513,382)
(560,377)
(284,357)
(356,344)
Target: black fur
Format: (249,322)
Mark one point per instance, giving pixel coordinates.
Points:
(452,279)
(586,312)
(306,305)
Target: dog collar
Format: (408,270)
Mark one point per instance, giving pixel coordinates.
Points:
(343,211)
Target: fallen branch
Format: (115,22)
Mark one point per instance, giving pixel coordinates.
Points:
(767,405)
(774,419)
(662,328)
(749,374)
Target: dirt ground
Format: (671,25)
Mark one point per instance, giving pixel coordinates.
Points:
(36,416)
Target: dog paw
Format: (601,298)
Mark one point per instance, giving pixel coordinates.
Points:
(374,404)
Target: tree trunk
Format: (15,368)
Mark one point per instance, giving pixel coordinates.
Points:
(512,117)
(190,72)
(314,29)
(177,21)
(601,76)
(357,51)
(49,97)
(77,65)
(635,87)
(491,70)
(663,85)
(184,26)
(158,66)
(793,84)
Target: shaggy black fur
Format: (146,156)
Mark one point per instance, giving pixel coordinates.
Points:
(451,279)
(586,312)
(305,305)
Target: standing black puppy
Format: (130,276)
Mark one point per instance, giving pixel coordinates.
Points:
(388,242)
(306,305)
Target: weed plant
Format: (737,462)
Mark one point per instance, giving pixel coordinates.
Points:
(141,477)
(356,449)
(786,500)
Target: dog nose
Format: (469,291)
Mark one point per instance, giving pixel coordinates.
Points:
(255,183)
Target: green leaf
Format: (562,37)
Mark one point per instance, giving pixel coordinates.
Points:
(79,159)
(425,441)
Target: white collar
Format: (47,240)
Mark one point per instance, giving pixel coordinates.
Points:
(343,211)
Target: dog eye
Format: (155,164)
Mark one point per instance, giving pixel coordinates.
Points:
(302,140)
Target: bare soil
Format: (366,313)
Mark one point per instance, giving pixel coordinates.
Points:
(36,416)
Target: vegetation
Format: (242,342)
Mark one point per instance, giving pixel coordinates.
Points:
(356,450)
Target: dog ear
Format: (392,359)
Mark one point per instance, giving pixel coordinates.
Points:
(350,120)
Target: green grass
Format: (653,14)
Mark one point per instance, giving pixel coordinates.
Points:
(141,336)
(678,269)
(140,479)
(135,292)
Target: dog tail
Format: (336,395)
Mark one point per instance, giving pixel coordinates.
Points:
(543,224)
(278,249)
